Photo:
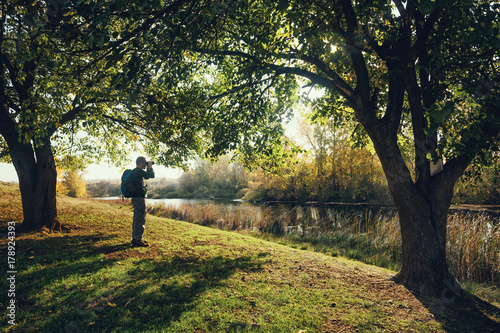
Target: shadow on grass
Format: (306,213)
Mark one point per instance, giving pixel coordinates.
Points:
(70,284)
(461,312)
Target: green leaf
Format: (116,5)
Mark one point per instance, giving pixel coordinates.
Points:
(283,5)
(141,4)
(426,6)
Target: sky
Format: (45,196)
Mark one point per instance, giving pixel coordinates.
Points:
(104,171)
(100,171)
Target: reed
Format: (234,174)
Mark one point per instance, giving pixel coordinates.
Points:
(473,247)
(372,236)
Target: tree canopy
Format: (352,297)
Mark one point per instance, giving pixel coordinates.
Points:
(203,76)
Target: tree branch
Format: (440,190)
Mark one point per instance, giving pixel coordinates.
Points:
(144,26)
(240,87)
(363,81)
(400,7)
(336,83)
(128,126)
(333,82)
(341,85)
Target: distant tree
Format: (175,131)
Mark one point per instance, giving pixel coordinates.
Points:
(187,184)
(342,171)
(70,171)
(480,184)
(74,184)
(60,186)
(220,179)
(103,189)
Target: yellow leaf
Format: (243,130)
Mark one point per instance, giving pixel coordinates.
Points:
(111,304)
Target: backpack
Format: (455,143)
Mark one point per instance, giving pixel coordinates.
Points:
(128,189)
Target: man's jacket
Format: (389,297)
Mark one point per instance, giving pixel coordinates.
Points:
(137,178)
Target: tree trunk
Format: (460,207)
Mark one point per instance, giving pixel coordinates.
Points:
(424,268)
(37,174)
(423,207)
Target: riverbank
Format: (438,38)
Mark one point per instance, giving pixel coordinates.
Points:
(198,279)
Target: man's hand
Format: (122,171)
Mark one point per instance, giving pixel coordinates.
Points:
(149,165)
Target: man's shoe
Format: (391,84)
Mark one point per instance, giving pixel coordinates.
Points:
(142,243)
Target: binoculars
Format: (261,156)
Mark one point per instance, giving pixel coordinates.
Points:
(152,163)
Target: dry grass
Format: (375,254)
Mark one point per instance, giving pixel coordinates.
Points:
(474,247)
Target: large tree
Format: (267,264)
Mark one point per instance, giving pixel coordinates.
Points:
(71,76)
(425,70)
(84,79)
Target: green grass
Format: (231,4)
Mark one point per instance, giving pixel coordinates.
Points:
(197,279)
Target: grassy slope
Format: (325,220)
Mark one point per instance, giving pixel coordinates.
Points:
(197,279)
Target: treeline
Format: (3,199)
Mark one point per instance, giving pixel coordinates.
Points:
(331,169)
(356,177)
(157,188)
(104,189)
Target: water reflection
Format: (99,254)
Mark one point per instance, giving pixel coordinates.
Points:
(177,202)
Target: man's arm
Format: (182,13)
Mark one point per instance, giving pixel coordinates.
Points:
(149,173)
(146,174)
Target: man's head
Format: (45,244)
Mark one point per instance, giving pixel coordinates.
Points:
(140,162)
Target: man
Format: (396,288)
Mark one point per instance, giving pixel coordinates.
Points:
(139,198)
